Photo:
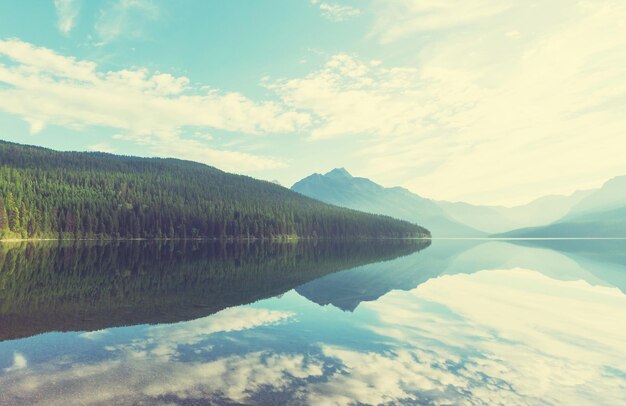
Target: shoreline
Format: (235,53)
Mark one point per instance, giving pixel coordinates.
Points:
(227,239)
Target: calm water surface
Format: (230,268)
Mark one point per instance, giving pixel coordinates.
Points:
(456,322)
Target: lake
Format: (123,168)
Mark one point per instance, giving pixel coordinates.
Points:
(323,323)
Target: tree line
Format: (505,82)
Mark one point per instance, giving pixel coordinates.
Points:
(72,195)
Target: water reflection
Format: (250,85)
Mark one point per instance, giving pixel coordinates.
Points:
(462,322)
(90,285)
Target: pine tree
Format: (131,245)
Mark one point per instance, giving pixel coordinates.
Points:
(4,220)
(13,213)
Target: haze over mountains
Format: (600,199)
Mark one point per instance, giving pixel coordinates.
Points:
(589,213)
(601,214)
(340,188)
(497,219)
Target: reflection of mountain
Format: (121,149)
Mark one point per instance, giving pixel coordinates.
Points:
(51,287)
(347,289)
(604,260)
(600,263)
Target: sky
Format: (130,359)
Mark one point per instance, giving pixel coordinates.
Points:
(484,101)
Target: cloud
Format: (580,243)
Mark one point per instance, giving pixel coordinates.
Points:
(135,380)
(124,18)
(101,147)
(151,368)
(374,378)
(154,109)
(500,112)
(399,114)
(402,18)
(336,12)
(67,11)
(350,96)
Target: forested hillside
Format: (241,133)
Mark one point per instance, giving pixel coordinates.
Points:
(50,194)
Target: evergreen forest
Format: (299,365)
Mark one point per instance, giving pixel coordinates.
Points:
(81,195)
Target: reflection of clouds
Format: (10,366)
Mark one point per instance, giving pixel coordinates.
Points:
(19,362)
(520,337)
(493,337)
(382,378)
(235,377)
(131,381)
(147,367)
(164,340)
(95,335)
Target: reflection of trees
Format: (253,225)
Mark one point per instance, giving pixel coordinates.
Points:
(89,285)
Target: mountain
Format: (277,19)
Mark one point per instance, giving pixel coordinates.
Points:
(603,224)
(601,213)
(497,219)
(611,196)
(340,188)
(45,193)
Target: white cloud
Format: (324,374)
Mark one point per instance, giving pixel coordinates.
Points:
(146,369)
(374,378)
(67,11)
(124,18)
(353,97)
(524,104)
(336,12)
(153,109)
(101,147)
(402,18)
(163,341)
(136,380)
(399,114)
(197,150)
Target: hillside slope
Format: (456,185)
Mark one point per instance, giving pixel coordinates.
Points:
(497,219)
(45,193)
(340,188)
(601,214)
(611,196)
(604,224)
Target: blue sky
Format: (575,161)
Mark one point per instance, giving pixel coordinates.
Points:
(488,101)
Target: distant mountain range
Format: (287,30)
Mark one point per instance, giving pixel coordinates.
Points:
(497,219)
(588,213)
(600,214)
(340,188)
